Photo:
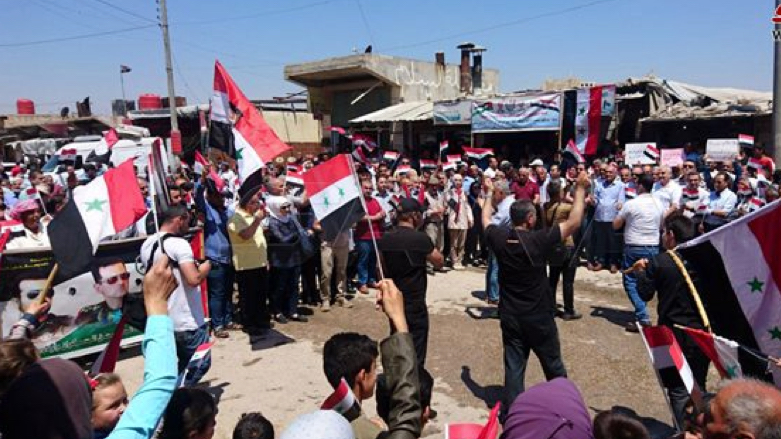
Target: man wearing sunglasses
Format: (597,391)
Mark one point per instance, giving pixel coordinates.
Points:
(112,281)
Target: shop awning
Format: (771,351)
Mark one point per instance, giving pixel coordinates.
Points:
(403,112)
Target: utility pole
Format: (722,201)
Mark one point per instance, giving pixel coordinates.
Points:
(176,140)
(776,146)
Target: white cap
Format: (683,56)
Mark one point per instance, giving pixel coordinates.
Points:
(322,424)
(536,162)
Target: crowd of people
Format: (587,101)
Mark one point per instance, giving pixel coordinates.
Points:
(528,224)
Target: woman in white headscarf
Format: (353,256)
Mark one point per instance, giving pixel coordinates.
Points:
(285,257)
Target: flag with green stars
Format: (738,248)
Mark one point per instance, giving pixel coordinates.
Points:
(335,195)
(737,270)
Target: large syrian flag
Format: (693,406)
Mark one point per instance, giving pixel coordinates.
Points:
(104,207)
(255,141)
(727,356)
(573,151)
(335,195)
(591,104)
(739,266)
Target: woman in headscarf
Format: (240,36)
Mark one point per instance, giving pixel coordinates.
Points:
(285,256)
(28,212)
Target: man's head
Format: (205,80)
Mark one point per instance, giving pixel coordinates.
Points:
(610,173)
(626,174)
(677,230)
(523,214)
(644,184)
(501,191)
(176,219)
(253,426)
(144,186)
(555,172)
(693,180)
(36,178)
(744,408)
(275,186)
(721,181)
(688,166)
(613,425)
(523,175)
(410,212)
(665,173)
(112,281)
(458,181)
(541,173)
(353,357)
(366,187)
(175,193)
(382,183)
(493,163)
(648,169)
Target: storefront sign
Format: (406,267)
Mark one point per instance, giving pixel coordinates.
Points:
(517,113)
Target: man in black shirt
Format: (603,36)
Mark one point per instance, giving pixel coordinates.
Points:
(405,250)
(676,303)
(525,308)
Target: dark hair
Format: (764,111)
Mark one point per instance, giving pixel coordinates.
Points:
(646,182)
(15,357)
(174,211)
(682,228)
(554,189)
(54,202)
(612,425)
(383,394)
(100,263)
(189,410)
(726,176)
(520,211)
(345,355)
(253,425)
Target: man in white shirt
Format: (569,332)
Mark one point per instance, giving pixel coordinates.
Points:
(490,171)
(185,305)
(721,203)
(667,191)
(641,219)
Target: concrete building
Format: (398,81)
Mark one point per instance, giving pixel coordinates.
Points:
(345,88)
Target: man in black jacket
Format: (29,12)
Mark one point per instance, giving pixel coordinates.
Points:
(676,302)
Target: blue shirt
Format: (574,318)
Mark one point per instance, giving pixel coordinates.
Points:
(608,194)
(501,216)
(215,229)
(468,183)
(160,365)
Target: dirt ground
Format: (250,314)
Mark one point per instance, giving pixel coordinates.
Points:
(281,374)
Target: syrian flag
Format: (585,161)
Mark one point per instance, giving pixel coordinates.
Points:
(31,193)
(68,155)
(390,156)
(755,163)
(255,141)
(102,152)
(104,207)
(107,360)
(630,192)
(668,360)
(335,195)
(449,166)
(651,152)
(365,141)
(343,401)
(428,164)
(725,354)
(359,155)
(202,352)
(477,153)
(746,141)
(740,292)
(202,164)
(124,69)
(755,203)
(573,150)
(453,158)
(443,145)
(403,169)
(690,195)
(295,183)
(292,167)
(588,119)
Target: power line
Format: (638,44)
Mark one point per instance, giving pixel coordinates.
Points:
(113,6)
(77,37)
(365,21)
(501,25)
(259,14)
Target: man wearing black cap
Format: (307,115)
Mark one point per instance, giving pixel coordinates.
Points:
(405,251)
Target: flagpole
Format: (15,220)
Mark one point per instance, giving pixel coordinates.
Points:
(363,203)
(658,378)
(154,204)
(48,285)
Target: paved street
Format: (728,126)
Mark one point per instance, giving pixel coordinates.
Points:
(281,375)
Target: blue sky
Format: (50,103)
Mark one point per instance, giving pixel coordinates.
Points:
(712,43)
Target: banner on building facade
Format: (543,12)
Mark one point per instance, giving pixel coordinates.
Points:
(85,309)
(453,112)
(517,113)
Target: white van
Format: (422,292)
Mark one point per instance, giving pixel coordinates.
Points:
(124,149)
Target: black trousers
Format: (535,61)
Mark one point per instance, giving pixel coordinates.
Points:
(310,279)
(520,335)
(253,297)
(566,270)
(606,245)
(418,328)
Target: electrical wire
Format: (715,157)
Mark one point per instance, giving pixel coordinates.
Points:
(365,21)
(131,13)
(255,15)
(500,25)
(76,37)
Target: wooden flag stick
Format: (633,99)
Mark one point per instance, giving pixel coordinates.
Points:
(49,284)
